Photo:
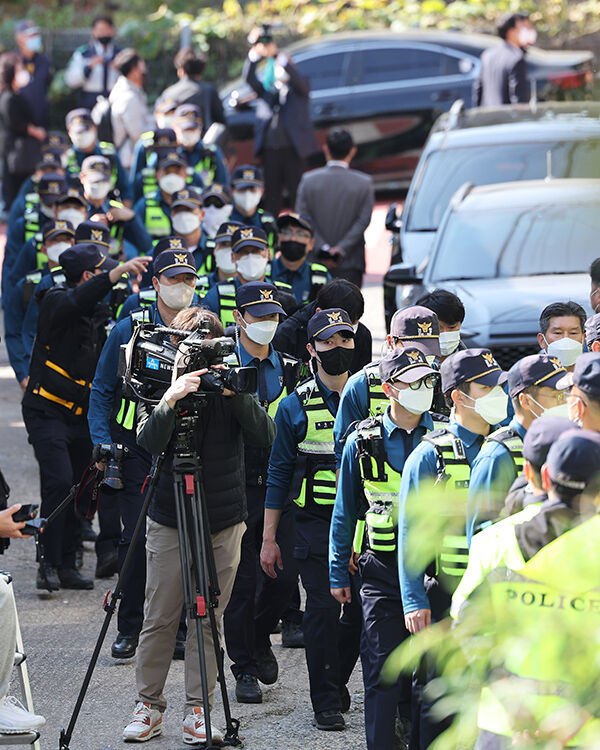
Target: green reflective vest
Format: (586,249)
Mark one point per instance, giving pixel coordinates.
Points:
(316,457)
(156,221)
(377,399)
(32,201)
(125,416)
(33,225)
(106,149)
(513,443)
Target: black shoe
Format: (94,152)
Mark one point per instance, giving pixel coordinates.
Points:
(87,532)
(292,635)
(268,669)
(79,557)
(247,689)
(329,721)
(179,650)
(70,578)
(345,699)
(107,565)
(48,581)
(124,646)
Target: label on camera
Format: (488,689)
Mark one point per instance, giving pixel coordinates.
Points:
(152,363)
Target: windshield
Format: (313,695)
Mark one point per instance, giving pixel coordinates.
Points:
(542,239)
(445,171)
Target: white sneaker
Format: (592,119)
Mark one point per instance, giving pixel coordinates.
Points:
(194,729)
(16,719)
(146,724)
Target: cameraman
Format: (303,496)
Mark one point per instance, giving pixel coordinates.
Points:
(70,336)
(14,718)
(227,422)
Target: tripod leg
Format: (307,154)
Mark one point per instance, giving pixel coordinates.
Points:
(110,606)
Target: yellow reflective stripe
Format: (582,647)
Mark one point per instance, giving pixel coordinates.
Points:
(128,423)
(119,417)
(359,535)
(57,400)
(65,374)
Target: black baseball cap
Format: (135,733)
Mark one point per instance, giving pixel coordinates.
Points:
(50,158)
(79,119)
(541,435)
(97,163)
(57,139)
(57,227)
(164,138)
(592,329)
(418,325)
(293,218)
(471,366)
(50,187)
(188,197)
(216,190)
(574,459)
(326,323)
(93,231)
(226,230)
(246,176)
(259,298)
(407,365)
(586,375)
(248,237)
(85,256)
(171,159)
(71,194)
(537,369)
(172,257)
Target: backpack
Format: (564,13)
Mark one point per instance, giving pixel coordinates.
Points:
(102,117)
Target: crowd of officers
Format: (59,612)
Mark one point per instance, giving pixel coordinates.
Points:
(340,453)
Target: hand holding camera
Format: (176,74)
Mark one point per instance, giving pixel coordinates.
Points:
(9,527)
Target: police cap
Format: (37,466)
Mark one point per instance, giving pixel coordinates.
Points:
(97,163)
(258,298)
(574,459)
(226,230)
(50,187)
(56,228)
(171,159)
(187,197)
(543,433)
(93,231)
(407,365)
(217,190)
(537,369)
(85,256)
(79,120)
(172,257)
(164,138)
(326,323)
(418,325)
(247,176)
(71,194)
(283,220)
(471,366)
(248,237)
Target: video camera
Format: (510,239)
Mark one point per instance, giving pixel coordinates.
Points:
(151,361)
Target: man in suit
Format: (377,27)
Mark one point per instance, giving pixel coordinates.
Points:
(339,201)
(503,75)
(283,131)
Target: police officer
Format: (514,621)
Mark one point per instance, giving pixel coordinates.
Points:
(302,467)
(187,213)
(217,204)
(154,210)
(248,188)
(291,264)
(584,392)
(540,605)
(69,338)
(149,150)
(413,326)
(472,380)
(532,389)
(249,620)
(112,419)
(250,253)
(372,462)
(206,160)
(224,266)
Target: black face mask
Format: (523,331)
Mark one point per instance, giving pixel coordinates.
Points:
(336,361)
(292,250)
(104,40)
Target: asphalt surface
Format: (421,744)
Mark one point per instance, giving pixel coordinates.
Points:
(60,629)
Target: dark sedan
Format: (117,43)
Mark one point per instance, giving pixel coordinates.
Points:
(389,88)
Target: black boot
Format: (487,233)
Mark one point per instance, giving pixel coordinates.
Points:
(48,581)
(71,578)
(247,689)
(124,646)
(329,721)
(268,669)
(107,565)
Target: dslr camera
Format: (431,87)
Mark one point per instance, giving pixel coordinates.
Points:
(113,454)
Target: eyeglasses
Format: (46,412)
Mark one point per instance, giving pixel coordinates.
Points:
(429,381)
(289,234)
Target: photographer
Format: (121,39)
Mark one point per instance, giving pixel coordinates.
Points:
(70,336)
(227,422)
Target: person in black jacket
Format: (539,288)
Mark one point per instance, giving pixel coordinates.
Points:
(227,423)
(70,335)
(291,336)
(18,133)
(283,132)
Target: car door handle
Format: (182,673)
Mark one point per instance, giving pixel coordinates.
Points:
(444,96)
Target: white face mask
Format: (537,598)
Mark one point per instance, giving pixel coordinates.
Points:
(415,401)
(97,191)
(73,215)
(189,138)
(252,267)
(84,140)
(215,216)
(566,349)
(171,183)
(492,406)
(559,410)
(247,200)
(449,341)
(527,37)
(53,251)
(46,210)
(185,222)
(261,332)
(224,260)
(176,296)
(22,78)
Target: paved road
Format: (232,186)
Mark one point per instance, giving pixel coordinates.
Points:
(59,630)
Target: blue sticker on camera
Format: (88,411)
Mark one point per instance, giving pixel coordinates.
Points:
(152,363)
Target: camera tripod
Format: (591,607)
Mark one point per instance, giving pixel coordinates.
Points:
(199,575)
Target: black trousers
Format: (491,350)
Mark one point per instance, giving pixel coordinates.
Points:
(383,631)
(63,449)
(109,522)
(250,617)
(328,646)
(282,168)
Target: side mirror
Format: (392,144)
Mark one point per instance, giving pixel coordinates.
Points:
(401,274)
(393,222)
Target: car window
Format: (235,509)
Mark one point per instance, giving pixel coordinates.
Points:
(500,243)
(324,71)
(400,63)
(445,171)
